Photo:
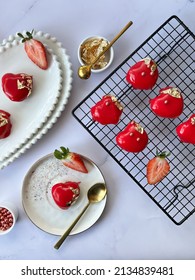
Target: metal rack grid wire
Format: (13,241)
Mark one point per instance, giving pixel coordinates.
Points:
(172,46)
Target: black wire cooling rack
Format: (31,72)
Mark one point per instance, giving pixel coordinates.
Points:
(172,46)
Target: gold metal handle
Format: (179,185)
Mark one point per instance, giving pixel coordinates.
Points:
(112,42)
(67,232)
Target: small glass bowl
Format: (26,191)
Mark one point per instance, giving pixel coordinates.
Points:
(109,55)
(8,217)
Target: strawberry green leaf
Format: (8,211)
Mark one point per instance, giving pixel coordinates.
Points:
(20,35)
(58,154)
(29,34)
(64,150)
(62,153)
(163,154)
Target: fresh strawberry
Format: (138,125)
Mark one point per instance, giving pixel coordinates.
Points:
(143,74)
(168,104)
(35,50)
(65,194)
(107,111)
(157,168)
(71,159)
(17,87)
(133,138)
(186,130)
(5,124)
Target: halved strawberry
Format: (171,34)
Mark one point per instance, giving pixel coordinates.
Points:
(157,168)
(35,50)
(71,159)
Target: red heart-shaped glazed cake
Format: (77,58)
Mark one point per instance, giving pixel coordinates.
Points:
(133,138)
(5,124)
(65,194)
(143,74)
(186,130)
(168,104)
(107,111)
(17,87)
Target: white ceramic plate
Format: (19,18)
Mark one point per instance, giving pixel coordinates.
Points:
(28,116)
(39,205)
(66,73)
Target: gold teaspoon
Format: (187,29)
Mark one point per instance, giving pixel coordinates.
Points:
(95,194)
(84,71)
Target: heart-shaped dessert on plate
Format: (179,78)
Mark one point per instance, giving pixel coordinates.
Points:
(17,87)
(65,194)
(47,89)
(5,124)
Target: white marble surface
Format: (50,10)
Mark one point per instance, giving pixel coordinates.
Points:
(132,226)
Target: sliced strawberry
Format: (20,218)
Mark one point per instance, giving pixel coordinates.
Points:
(157,168)
(71,160)
(35,50)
